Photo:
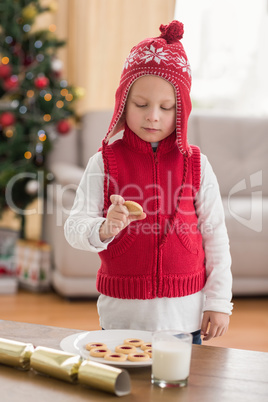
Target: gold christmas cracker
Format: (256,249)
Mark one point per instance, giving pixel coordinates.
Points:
(65,366)
(16,354)
(106,378)
(56,363)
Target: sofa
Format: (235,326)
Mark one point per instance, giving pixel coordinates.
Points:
(237,148)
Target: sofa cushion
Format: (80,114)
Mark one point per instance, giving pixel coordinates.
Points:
(236,147)
(247,226)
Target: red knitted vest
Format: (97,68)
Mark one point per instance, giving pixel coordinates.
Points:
(162,255)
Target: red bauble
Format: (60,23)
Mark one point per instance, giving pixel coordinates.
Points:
(11,83)
(63,126)
(41,82)
(7,119)
(5,70)
(28,59)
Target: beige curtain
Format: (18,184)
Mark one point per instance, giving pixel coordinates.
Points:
(100,34)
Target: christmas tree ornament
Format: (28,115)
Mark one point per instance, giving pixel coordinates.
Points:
(11,83)
(41,82)
(17,50)
(29,12)
(32,187)
(7,119)
(28,60)
(5,70)
(63,126)
(56,65)
(79,92)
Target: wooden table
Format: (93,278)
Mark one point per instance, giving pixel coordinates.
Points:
(217,375)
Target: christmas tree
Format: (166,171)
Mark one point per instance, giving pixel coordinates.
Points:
(34,98)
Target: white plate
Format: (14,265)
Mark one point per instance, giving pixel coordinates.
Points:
(76,344)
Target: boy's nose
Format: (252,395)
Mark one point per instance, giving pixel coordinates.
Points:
(153,114)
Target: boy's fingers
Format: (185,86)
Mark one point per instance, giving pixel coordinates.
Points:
(116,199)
(204,325)
(137,217)
(211,333)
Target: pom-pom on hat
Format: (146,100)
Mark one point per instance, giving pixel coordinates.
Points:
(163,56)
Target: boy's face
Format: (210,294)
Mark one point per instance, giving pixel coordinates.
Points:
(151,108)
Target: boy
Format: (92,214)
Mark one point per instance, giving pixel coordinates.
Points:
(169,267)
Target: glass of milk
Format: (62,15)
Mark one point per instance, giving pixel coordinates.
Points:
(171,358)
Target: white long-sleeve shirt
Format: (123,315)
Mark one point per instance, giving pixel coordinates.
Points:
(184,313)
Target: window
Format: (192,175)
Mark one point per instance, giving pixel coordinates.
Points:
(227,46)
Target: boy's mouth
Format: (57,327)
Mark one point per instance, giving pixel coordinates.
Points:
(150,130)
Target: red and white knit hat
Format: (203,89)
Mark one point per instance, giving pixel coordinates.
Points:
(163,56)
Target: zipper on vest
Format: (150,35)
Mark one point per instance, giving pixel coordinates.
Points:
(157,221)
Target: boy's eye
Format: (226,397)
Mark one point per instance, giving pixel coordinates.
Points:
(140,105)
(167,108)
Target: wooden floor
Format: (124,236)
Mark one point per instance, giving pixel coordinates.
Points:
(248,328)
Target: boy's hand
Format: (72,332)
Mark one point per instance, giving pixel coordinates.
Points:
(214,324)
(117,218)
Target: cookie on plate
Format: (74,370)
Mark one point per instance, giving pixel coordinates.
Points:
(115,357)
(99,352)
(133,342)
(126,349)
(138,357)
(92,345)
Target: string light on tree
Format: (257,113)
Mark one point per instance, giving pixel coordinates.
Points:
(27,155)
(9,132)
(52,28)
(47,117)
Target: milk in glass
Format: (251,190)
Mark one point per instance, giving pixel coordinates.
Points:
(171,360)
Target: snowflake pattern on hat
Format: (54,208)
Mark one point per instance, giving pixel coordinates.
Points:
(182,62)
(130,59)
(158,55)
(154,54)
